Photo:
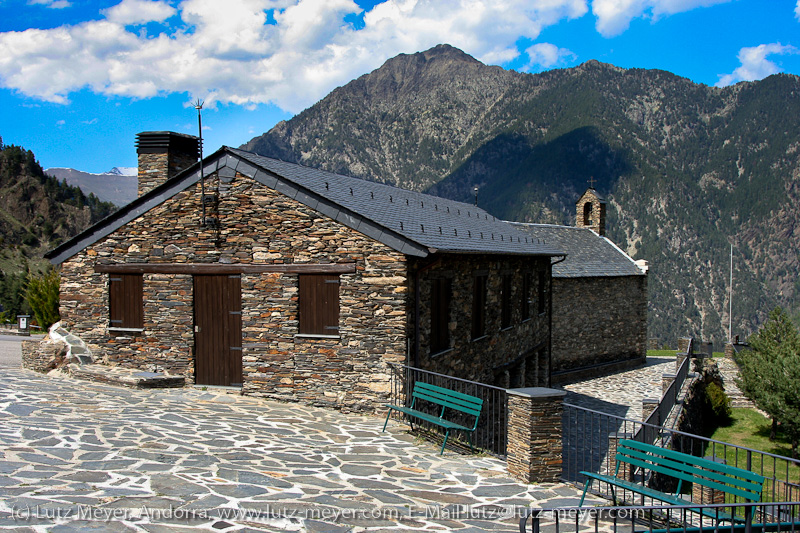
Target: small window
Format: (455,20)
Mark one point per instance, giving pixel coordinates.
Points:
(542,297)
(587,214)
(525,297)
(440,315)
(479,306)
(319,304)
(125,301)
(505,301)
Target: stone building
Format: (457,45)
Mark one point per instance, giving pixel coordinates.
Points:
(599,296)
(298,284)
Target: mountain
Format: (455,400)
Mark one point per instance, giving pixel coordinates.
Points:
(37,212)
(118,185)
(687,169)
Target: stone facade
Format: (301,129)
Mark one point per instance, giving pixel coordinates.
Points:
(515,356)
(607,317)
(257,226)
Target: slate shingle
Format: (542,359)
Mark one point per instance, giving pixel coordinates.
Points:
(430,221)
(588,254)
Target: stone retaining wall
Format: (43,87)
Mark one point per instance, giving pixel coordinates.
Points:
(43,356)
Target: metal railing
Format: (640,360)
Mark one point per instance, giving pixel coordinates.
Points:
(784,516)
(491,434)
(589,436)
(669,400)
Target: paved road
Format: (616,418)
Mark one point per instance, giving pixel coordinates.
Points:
(10,354)
(78,456)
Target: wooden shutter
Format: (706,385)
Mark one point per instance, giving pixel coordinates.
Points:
(505,301)
(525,298)
(319,304)
(440,314)
(542,291)
(479,306)
(126,307)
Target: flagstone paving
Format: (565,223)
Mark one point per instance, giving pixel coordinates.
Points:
(82,456)
(621,394)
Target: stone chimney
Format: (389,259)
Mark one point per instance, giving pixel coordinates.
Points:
(591,212)
(162,155)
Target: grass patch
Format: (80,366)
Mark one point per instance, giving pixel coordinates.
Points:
(660,353)
(751,429)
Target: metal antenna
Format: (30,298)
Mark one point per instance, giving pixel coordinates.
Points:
(199,106)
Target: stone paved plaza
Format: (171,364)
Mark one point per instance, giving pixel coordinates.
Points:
(80,456)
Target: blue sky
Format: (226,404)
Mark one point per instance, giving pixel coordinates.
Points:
(79,79)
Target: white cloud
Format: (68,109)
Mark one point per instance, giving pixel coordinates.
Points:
(754,63)
(547,55)
(614,16)
(228,52)
(138,12)
(797,10)
(52,4)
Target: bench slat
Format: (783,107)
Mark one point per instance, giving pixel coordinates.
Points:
(699,474)
(654,467)
(446,402)
(700,461)
(446,398)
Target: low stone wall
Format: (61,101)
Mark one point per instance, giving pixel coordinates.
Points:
(43,356)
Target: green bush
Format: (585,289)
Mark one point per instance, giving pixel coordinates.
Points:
(719,404)
(41,292)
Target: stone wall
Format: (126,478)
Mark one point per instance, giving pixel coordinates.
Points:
(517,356)
(599,321)
(43,356)
(257,225)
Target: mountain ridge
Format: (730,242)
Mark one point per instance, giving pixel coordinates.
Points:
(686,168)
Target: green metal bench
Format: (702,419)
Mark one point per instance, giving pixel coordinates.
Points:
(741,484)
(447,399)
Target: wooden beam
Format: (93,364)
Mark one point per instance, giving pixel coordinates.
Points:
(225,268)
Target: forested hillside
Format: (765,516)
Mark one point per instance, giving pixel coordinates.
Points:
(687,169)
(37,212)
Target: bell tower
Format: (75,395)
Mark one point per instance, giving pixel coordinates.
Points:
(590,211)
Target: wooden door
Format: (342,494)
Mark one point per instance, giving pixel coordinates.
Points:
(218,330)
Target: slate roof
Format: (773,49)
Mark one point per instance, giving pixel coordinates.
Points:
(588,254)
(413,223)
(436,223)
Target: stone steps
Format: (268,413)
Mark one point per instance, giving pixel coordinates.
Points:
(127,377)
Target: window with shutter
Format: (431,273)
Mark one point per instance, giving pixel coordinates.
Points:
(542,296)
(319,304)
(125,301)
(525,297)
(479,306)
(505,301)
(440,315)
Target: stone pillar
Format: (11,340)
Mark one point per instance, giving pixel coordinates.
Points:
(666,381)
(534,434)
(648,406)
(685,345)
(702,494)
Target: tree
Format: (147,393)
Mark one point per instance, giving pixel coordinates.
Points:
(41,291)
(770,373)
